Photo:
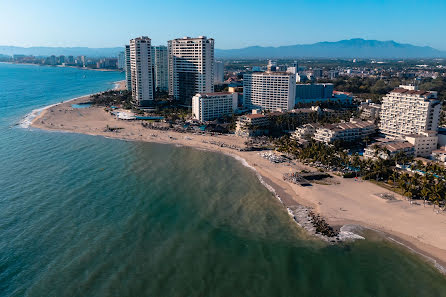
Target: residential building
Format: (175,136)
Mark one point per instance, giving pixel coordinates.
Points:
(128,70)
(211,106)
(345,132)
(406,111)
(424,142)
(141,71)
(160,67)
(219,73)
(191,67)
(121,60)
(269,90)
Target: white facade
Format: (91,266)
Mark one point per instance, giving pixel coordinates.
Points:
(211,106)
(269,90)
(424,143)
(141,69)
(405,112)
(191,67)
(160,67)
(128,69)
(345,132)
(219,72)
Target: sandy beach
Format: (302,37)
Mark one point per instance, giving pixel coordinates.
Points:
(345,201)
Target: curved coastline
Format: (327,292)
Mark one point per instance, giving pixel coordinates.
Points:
(410,243)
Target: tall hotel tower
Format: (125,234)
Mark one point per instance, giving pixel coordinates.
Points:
(191,67)
(141,71)
(159,60)
(128,69)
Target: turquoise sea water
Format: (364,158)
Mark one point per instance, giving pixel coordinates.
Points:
(89,216)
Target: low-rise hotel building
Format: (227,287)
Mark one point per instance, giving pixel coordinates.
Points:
(345,132)
(211,106)
(386,148)
(424,142)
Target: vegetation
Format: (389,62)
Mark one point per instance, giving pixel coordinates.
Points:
(113,98)
(425,182)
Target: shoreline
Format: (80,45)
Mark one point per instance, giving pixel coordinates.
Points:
(29,118)
(269,174)
(60,66)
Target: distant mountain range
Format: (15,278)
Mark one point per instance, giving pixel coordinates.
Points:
(352,48)
(58,51)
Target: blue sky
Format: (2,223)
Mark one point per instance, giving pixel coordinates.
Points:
(233,24)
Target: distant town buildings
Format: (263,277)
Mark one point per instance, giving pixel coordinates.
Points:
(121,60)
(191,67)
(211,106)
(269,90)
(141,71)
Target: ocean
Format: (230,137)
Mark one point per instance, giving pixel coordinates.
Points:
(89,216)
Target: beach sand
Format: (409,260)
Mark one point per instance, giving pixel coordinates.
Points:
(346,201)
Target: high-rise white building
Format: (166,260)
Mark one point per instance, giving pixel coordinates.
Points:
(191,67)
(269,90)
(160,67)
(219,72)
(142,71)
(211,106)
(406,111)
(128,69)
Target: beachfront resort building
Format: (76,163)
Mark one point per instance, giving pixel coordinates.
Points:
(141,71)
(191,67)
(407,111)
(160,67)
(128,69)
(355,130)
(387,148)
(252,124)
(269,90)
(211,106)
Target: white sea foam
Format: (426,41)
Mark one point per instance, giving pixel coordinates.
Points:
(28,119)
(430,259)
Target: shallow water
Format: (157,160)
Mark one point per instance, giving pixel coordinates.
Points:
(89,216)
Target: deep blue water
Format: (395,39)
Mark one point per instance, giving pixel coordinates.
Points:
(89,216)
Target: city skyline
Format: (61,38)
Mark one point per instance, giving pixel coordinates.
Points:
(299,22)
